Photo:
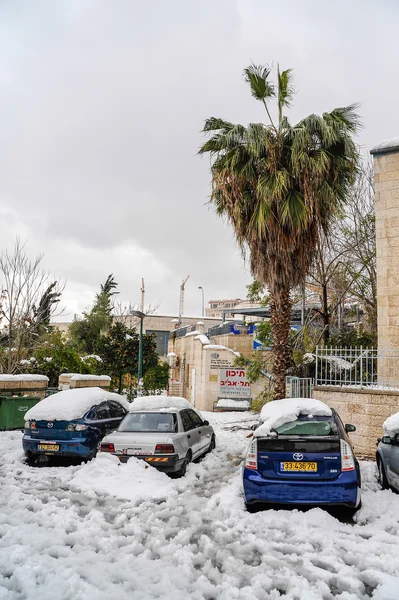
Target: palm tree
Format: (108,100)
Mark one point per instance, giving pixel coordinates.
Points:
(280,185)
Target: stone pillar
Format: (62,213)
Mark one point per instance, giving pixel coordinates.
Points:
(386,173)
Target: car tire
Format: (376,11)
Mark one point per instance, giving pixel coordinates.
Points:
(382,477)
(251,508)
(182,471)
(212,445)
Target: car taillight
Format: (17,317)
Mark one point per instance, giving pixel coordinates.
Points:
(76,427)
(251,461)
(106,447)
(164,449)
(347,460)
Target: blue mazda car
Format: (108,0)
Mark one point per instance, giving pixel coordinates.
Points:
(71,423)
(302,456)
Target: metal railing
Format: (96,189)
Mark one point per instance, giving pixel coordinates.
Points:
(357,367)
(181,331)
(299,387)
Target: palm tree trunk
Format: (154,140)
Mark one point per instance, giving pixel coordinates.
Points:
(280,308)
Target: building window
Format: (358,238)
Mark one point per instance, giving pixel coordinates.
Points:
(161,341)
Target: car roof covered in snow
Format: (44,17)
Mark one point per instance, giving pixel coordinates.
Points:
(279,412)
(391,425)
(160,402)
(71,404)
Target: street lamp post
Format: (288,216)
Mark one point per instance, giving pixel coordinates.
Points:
(202,290)
(140,315)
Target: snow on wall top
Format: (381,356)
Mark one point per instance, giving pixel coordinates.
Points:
(391,425)
(278,412)
(80,377)
(156,402)
(219,347)
(24,377)
(386,146)
(71,404)
(203,339)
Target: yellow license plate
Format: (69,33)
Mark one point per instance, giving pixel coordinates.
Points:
(49,447)
(299,466)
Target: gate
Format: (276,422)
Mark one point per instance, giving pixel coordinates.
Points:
(299,387)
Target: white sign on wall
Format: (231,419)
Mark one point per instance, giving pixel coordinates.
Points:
(233,383)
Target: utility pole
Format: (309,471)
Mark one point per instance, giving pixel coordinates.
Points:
(181,307)
(142,295)
(203,307)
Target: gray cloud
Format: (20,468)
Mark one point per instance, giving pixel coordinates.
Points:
(103,104)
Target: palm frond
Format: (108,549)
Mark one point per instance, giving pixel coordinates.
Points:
(257,78)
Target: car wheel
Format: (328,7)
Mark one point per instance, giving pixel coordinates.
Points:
(182,471)
(212,445)
(382,477)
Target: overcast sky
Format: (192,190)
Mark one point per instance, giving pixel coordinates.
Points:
(102,103)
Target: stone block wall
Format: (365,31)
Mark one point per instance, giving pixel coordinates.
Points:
(386,170)
(365,409)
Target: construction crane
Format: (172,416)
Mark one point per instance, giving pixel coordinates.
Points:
(181,307)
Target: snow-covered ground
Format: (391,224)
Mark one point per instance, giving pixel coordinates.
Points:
(105,531)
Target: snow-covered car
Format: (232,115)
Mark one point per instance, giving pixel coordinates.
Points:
(301,454)
(387,454)
(72,423)
(167,432)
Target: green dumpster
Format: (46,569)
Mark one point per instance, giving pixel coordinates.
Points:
(13,409)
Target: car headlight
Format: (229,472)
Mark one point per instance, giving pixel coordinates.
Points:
(27,425)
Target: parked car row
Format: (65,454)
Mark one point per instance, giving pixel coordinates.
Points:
(166,432)
(300,452)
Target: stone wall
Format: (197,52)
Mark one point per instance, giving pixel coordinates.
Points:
(195,366)
(68,381)
(27,385)
(386,169)
(362,408)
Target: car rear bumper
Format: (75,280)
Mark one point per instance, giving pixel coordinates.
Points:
(169,463)
(343,490)
(75,447)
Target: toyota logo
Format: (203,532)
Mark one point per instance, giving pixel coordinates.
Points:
(50,424)
(297,456)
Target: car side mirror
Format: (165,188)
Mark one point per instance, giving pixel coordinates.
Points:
(205,423)
(253,427)
(386,439)
(350,428)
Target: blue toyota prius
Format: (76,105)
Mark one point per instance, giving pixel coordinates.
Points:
(71,423)
(304,459)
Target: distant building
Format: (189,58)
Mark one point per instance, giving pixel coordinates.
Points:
(158,325)
(216,307)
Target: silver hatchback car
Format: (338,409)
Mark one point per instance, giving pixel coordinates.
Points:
(168,433)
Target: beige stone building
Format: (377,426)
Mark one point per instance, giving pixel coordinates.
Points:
(368,408)
(202,371)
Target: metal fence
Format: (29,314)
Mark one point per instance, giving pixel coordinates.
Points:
(299,387)
(181,331)
(358,367)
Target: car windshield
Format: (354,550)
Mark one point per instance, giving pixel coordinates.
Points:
(310,426)
(147,421)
